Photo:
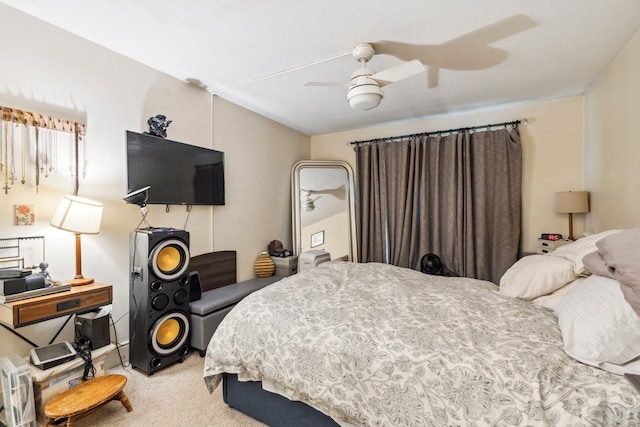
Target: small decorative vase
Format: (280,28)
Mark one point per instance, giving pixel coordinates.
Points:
(264,266)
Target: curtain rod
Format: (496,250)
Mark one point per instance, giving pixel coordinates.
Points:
(439,132)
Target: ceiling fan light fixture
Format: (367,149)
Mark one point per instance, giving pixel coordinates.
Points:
(364,97)
(364,87)
(308,205)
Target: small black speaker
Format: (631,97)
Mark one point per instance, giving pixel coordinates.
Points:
(94,329)
(195,290)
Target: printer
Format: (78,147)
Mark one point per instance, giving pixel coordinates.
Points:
(311,259)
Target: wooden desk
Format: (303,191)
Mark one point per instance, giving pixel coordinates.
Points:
(34,310)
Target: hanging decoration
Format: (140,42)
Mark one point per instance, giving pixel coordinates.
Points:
(29,142)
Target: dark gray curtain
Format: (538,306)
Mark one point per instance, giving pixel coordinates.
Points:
(458,196)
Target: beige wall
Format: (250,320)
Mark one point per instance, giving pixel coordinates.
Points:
(259,155)
(552,142)
(78,80)
(612,140)
(335,225)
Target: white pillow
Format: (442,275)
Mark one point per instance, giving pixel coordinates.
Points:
(577,250)
(552,300)
(598,326)
(535,275)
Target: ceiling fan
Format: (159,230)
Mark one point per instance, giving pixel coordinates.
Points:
(308,204)
(365,91)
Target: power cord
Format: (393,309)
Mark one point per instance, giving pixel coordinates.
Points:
(83,347)
(84,351)
(117,343)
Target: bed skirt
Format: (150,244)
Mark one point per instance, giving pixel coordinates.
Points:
(249,398)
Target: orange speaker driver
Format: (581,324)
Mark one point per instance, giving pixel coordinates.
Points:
(169,259)
(168,332)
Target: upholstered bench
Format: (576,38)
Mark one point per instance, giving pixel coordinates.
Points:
(208,312)
(219,293)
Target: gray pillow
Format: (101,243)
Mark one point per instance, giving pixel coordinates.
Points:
(621,255)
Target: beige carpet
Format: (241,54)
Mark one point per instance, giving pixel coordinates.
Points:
(174,396)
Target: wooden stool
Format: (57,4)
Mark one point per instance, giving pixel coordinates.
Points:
(85,398)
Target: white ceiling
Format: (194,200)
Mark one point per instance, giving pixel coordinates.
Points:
(479,54)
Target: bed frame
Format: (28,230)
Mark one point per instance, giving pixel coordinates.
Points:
(251,399)
(217,274)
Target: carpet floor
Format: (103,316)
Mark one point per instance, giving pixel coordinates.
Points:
(173,396)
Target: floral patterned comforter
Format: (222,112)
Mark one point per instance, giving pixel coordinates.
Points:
(373,344)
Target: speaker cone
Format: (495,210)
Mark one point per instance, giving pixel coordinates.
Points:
(160,302)
(170,259)
(181,296)
(169,333)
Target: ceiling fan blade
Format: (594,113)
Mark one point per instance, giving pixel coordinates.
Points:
(326,84)
(399,72)
(339,193)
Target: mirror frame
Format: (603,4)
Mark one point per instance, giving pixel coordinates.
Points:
(350,199)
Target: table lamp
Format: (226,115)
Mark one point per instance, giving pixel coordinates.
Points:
(571,202)
(79,216)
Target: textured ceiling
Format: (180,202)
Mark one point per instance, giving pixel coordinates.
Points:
(259,53)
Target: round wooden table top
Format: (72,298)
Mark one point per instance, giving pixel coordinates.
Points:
(85,396)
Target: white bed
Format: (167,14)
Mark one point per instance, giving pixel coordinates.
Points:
(374,344)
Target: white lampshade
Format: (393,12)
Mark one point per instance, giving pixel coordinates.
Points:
(78,215)
(571,202)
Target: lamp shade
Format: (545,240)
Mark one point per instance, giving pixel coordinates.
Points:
(571,202)
(78,215)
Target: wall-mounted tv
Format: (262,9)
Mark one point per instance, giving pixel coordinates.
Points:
(178,173)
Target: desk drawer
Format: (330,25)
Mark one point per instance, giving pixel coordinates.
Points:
(62,304)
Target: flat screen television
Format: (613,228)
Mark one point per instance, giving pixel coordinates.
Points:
(178,173)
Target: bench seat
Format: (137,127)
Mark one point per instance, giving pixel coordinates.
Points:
(207,312)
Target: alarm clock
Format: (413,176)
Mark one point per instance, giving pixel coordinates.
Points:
(551,236)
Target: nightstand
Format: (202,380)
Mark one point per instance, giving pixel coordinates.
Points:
(546,246)
(285,266)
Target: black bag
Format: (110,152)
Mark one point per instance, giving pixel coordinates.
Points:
(276,249)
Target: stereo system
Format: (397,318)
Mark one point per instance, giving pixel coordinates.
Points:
(12,286)
(159,298)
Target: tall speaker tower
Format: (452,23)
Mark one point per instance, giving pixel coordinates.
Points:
(159,298)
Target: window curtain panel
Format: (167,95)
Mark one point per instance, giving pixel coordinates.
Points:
(458,196)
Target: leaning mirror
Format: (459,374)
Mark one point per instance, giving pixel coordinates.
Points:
(322,203)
